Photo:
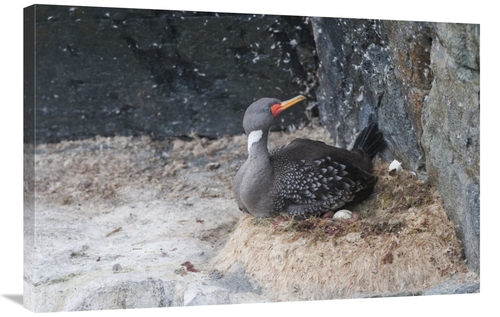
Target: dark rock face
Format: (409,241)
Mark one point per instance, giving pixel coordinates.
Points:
(106,71)
(358,85)
(420,82)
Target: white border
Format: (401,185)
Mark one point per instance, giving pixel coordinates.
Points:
(11,123)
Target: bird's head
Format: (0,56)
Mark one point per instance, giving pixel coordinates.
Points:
(261,114)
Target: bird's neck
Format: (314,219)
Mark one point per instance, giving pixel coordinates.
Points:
(254,180)
(258,144)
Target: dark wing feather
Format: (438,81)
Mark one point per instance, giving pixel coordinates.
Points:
(312,177)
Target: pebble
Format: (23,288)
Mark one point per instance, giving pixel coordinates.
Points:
(117,267)
(213,166)
(353,237)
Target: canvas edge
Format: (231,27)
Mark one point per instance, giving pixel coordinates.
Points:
(28,156)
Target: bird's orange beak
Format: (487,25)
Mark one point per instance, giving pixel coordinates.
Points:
(280,107)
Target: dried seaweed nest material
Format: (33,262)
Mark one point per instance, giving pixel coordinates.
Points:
(403,243)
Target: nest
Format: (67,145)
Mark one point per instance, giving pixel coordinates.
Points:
(402,243)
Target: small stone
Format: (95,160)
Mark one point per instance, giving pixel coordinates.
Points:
(180,271)
(215,274)
(212,166)
(353,237)
(117,267)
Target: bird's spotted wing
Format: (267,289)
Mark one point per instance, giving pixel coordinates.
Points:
(312,178)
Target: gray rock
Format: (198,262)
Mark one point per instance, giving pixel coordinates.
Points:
(237,280)
(450,120)
(420,82)
(197,294)
(358,86)
(80,269)
(116,294)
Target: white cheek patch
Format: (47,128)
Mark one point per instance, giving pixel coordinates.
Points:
(254,137)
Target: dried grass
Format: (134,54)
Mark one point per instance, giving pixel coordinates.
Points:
(403,243)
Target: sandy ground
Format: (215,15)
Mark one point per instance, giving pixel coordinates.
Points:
(127,222)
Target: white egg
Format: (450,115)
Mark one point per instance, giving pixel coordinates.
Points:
(342,214)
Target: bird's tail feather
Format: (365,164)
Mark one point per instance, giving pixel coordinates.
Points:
(370,141)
